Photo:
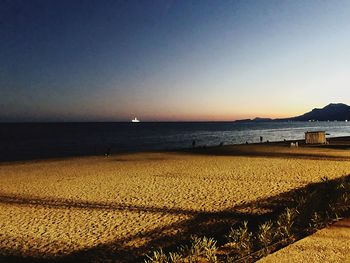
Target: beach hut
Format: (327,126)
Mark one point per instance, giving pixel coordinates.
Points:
(315,137)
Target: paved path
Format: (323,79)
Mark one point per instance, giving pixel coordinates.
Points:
(331,244)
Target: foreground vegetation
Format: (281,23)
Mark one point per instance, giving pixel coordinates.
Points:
(310,209)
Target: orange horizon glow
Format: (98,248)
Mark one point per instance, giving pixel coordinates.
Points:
(210,63)
(214,117)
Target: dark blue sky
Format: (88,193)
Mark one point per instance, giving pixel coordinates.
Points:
(170,60)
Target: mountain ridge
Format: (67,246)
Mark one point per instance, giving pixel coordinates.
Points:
(331,112)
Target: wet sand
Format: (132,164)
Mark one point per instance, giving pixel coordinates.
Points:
(119,207)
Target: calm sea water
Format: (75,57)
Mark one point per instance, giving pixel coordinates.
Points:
(34,140)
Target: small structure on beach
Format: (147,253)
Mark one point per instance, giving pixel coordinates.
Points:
(315,137)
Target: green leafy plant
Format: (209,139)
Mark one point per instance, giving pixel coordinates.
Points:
(241,239)
(285,223)
(157,257)
(175,257)
(312,208)
(265,236)
(317,221)
(203,247)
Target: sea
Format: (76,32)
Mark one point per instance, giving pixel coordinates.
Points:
(23,141)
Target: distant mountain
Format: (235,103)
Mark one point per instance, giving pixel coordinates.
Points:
(332,112)
(257,119)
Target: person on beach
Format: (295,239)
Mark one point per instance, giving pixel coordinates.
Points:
(261,139)
(108,152)
(193,144)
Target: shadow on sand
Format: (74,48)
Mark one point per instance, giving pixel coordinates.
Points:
(210,224)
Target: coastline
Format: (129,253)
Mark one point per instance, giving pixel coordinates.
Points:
(125,205)
(335,142)
(34,141)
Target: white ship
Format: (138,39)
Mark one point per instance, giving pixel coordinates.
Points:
(135,120)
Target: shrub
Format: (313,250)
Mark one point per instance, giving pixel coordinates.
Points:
(314,207)
(157,257)
(175,257)
(265,236)
(203,247)
(241,239)
(317,221)
(285,224)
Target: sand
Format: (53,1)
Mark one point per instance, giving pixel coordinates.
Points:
(119,207)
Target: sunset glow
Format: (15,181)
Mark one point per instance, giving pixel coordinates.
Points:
(171,60)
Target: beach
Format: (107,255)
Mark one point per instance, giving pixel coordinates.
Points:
(119,208)
(174,131)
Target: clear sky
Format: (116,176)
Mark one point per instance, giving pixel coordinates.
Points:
(165,60)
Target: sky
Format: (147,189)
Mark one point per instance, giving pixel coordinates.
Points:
(163,60)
